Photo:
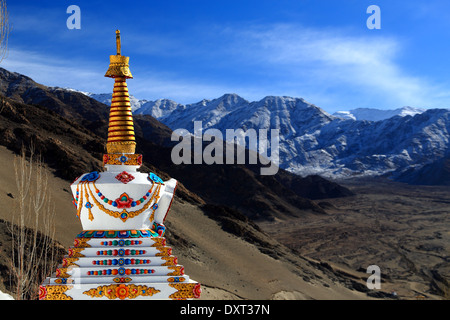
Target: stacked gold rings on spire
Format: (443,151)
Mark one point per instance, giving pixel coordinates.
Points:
(121,128)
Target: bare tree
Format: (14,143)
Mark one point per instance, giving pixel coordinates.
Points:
(32,228)
(5,28)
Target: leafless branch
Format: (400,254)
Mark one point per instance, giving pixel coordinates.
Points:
(5,28)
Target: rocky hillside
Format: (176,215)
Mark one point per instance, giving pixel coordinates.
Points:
(75,143)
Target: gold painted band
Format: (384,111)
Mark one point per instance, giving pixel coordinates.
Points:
(120,103)
(120,118)
(121,123)
(121,139)
(120,108)
(114,128)
(121,133)
(120,113)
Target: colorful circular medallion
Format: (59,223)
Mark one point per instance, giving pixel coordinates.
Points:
(153,177)
(92,176)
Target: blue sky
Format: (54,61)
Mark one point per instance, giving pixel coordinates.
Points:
(186,51)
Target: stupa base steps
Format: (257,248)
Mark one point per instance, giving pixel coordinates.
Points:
(121,291)
(117,279)
(116,261)
(118,268)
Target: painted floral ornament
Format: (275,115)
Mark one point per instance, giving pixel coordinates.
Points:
(197,291)
(154,178)
(123,159)
(42,292)
(124,201)
(159,228)
(124,177)
(90,177)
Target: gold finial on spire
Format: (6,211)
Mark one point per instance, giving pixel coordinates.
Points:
(121,127)
(118,64)
(118,42)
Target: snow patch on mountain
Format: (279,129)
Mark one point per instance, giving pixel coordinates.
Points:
(158,108)
(371,114)
(210,112)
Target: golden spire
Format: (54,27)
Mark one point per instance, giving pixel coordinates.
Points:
(121,127)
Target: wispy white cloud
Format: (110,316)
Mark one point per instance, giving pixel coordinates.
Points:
(350,68)
(54,71)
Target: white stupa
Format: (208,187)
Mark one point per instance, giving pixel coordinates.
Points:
(121,252)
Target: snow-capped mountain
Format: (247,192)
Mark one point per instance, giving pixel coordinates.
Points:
(377,114)
(315,142)
(158,108)
(107,97)
(210,112)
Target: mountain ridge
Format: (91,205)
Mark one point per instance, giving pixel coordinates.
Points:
(312,141)
(369,114)
(361,142)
